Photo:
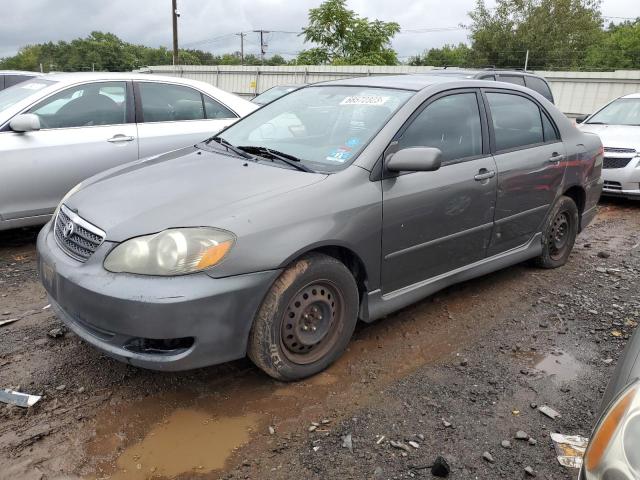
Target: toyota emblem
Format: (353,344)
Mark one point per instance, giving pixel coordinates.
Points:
(68,230)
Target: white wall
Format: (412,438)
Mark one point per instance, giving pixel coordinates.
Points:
(575,92)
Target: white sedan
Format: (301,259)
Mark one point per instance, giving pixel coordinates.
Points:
(618,125)
(57,130)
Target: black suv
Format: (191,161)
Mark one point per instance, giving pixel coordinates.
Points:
(519,77)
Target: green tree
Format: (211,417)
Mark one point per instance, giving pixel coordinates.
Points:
(557,33)
(620,48)
(343,37)
(453,55)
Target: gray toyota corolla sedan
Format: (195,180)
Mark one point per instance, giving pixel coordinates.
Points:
(340,201)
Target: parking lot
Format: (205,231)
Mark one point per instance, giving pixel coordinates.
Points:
(457,374)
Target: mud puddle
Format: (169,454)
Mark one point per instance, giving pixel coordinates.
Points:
(198,431)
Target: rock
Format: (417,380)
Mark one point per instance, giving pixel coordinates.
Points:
(80,390)
(347,442)
(316,448)
(533,405)
(414,444)
(445,423)
(488,457)
(313,428)
(608,361)
(604,254)
(440,468)
(61,387)
(521,435)
(464,362)
(272,430)
(56,332)
(529,471)
(506,444)
(532,441)
(400,446)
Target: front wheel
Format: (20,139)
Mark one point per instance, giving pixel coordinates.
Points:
(306,319)
(559,234)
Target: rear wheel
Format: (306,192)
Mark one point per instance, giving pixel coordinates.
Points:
(559,234)
(306,320)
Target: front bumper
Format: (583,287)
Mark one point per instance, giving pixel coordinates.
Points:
(114,312)
(623,182)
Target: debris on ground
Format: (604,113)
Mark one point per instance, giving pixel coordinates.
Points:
(57,332)
(440,468)
(347,442)
(549,412)
(8,321)
(18,398)
(570,449)
(488,457)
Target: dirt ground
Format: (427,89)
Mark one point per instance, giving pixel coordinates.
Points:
(456,374)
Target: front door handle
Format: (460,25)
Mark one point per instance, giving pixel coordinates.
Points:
(120,138)
(555,158)
(484,174)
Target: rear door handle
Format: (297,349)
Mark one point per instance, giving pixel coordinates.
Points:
(120,138)
(555,158)
(484,175)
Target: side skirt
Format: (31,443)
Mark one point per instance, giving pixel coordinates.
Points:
(382,305)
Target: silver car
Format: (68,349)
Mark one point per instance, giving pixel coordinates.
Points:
(56,130)
(340,201)
(618,125)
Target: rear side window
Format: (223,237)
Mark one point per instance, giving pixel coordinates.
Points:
(517,121)
(517,79)
(87,105)
(450,123)
(540,86)
(163,102)
(215,110)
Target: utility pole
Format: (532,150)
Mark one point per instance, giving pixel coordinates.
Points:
(174,17)
(526,61)
(263,46)
(241,35)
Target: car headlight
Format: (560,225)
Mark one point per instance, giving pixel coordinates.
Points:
(614,450)
(176,251)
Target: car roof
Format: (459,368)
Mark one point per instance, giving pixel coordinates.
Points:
(89,76)
(632,95)
(415,82)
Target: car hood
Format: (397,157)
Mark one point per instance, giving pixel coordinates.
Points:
(615,136)
(185,188)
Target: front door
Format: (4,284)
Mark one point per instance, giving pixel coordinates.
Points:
(435,222)
(531,162)
(84,130)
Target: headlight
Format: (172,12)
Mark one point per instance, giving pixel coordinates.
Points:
(614,450)
(171,252)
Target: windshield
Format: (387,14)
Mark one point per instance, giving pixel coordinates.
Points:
(624,111)
(324,127)
(273,93)
(12,95)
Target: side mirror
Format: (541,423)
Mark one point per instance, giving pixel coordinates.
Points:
(415,159)
(27,122)
(581,118)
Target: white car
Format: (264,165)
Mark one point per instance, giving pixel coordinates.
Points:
(618,125)
(57,130)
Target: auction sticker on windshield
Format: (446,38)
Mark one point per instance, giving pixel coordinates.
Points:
(365,100)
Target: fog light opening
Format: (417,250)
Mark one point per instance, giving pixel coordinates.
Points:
(163,346)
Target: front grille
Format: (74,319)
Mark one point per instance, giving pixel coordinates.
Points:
(612,162)
(75,236)
(619,150)
(609,185)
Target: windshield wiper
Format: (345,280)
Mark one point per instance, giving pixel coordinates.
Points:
(290,160)
(597,123)
(230,147)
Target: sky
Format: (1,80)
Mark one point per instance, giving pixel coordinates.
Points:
(210,24)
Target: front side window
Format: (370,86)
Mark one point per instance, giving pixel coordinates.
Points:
(326,127)
(164,102)
(215,110)
(87,105)
(624,111)
(517,121)
(450,123)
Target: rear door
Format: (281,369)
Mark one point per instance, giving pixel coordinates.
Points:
(435,222)
(172,116)
(530,157)
(85,129)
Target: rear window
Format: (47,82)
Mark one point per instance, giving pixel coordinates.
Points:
(540,86)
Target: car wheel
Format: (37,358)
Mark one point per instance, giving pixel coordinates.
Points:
(306,319)
(559,234)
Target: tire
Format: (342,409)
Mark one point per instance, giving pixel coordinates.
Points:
(559,234)
(306,319)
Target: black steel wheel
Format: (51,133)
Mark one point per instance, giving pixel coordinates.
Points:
(306,320)
(559,234)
